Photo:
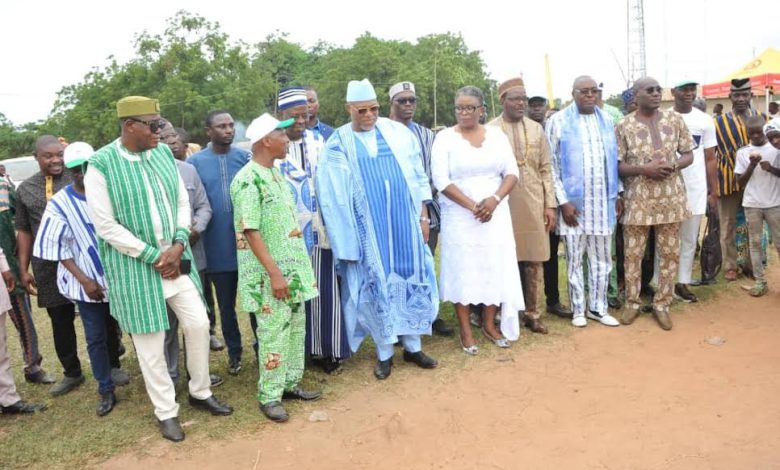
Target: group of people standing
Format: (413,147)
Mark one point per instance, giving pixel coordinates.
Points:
(327,235)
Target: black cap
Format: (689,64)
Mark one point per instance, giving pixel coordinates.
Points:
(740,84)
(537,99)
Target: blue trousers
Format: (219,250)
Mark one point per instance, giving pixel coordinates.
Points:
(226,287)
(100,330)
(411,343)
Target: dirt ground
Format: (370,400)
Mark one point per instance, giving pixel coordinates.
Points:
(604,398)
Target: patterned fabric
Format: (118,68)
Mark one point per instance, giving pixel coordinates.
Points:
(759,221)
(322,130)
(325,333)
(280,335)
(426,136)
(647,201)
(732,135)
(667,250)
(599,261)
(30,205)
(585,166)
(262,201)
(67,232)
(534,192)
(136,295)
(375,300)
(615,114)
(531,277)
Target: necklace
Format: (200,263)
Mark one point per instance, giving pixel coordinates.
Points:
(521,159)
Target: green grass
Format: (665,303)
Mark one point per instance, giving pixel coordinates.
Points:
(70,435)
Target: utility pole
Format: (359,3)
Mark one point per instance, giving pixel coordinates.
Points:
(435,112)
(637,64)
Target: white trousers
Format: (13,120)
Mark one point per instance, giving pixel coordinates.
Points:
(8,394)
(598,248)
(188,306)
(689,236)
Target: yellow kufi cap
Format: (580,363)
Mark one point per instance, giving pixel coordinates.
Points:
(136,106)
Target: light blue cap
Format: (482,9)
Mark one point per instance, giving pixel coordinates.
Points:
(361,90)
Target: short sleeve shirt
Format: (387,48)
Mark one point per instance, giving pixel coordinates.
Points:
(648,201)
(263,201)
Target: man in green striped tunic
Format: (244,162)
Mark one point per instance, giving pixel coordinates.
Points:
(140,209)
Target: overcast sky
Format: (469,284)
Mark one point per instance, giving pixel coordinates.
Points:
(50,44)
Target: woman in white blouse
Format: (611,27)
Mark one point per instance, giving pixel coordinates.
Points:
(474,168)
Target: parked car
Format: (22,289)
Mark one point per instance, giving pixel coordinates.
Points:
(20,168)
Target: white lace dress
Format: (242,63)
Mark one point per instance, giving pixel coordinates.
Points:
(478,263)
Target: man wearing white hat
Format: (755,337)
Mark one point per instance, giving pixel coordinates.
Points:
(275,276)
(373,194)
(139,205)
(67,236)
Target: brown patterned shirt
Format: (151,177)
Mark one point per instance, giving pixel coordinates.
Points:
(648,201)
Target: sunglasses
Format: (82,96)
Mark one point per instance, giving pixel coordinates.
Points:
(154,126)
(373,109)
(587,91)
(406,100)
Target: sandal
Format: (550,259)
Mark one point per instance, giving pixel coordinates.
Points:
(471,350)
(500,342)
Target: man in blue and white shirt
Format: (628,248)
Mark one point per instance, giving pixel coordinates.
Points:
(67,235)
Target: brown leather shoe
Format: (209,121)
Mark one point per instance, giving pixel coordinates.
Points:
(662,317)
(629,315)
(535,325)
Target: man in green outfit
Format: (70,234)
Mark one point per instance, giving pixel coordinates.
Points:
(275,276)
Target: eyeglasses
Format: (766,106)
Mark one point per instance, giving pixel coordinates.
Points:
(468,109)
(653,89)
(373,109)
(406,100)
(154,126)
(587,91)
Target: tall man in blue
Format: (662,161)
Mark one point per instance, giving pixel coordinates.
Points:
(217,165)
(373,193)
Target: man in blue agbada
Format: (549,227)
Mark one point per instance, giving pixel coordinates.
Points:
(373,193)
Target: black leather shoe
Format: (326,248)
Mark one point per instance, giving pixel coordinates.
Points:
(212,405)
(216,380)
(274,411)
(383,369)
(560,310)
(66,385)
(22,407)
(615,303)
(300,394)
(441,328)
(107,402)
(39,377)
(171,430)
(421,359)
(234,366)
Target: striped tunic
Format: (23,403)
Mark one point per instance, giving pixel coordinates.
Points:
(426,136)
(67,232)
(732,135)
(145,194)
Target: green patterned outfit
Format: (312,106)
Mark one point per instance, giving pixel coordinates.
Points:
(263,201)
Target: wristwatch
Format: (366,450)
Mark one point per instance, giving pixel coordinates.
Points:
(497,198)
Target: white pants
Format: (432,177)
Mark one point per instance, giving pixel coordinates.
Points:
(188,306)
(599,251)
(8,394)
(689,237)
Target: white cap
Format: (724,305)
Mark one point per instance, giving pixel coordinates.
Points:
(77,154)
(399,87)
(264,125)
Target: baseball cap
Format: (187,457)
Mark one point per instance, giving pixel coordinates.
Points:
(264,125)
(77,153)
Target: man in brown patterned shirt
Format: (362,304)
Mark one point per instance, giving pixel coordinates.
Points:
(648,142)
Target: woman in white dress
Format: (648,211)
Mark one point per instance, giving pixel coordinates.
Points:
(474,169)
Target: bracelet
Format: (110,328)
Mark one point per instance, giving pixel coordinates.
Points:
(497,198)
(474,209)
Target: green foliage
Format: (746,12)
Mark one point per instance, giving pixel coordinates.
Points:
(193,67)
(16,141)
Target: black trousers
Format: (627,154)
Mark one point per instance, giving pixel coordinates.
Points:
(64,332)
(551,272)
